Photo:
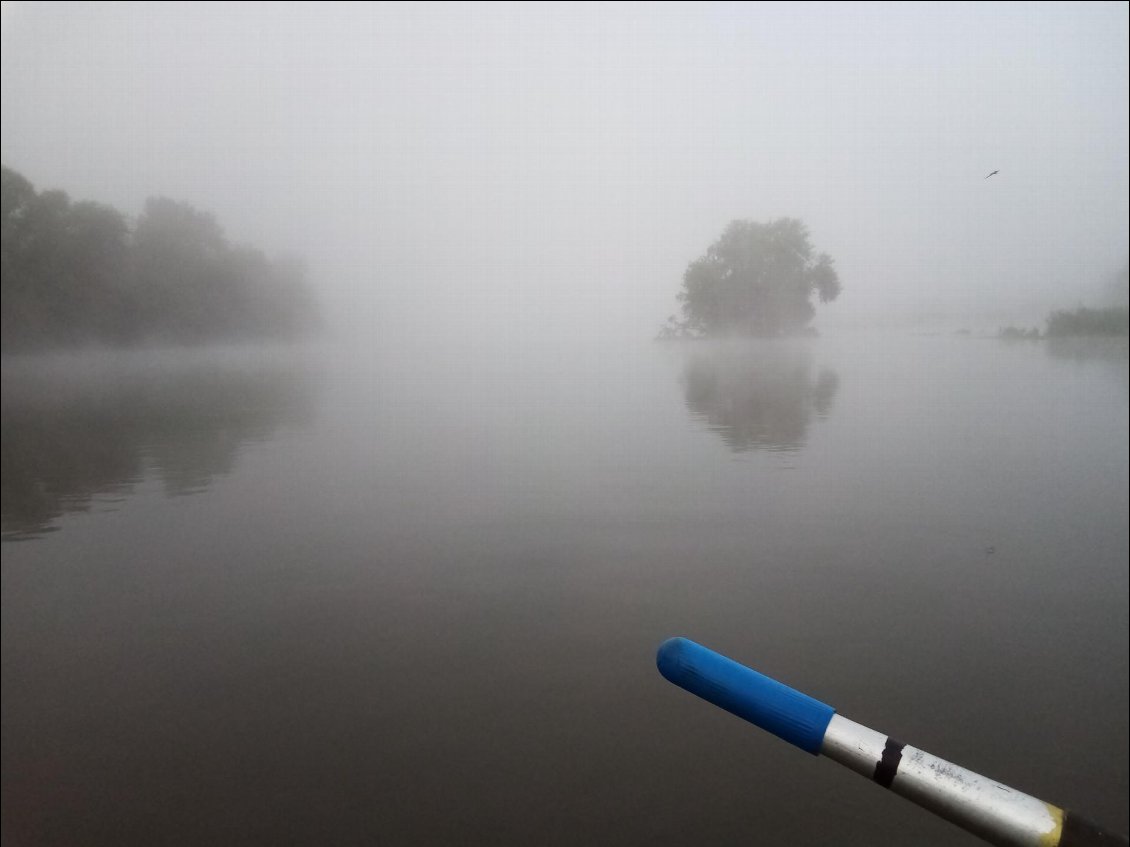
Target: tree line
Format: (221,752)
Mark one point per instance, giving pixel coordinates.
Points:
(1112,320)
(82,273)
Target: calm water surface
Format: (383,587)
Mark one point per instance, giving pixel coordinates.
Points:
(263,597)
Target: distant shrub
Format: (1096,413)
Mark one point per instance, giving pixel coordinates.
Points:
(1114,320)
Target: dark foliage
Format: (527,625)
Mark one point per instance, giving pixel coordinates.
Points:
(1110,321)
(757,279)
(77,274)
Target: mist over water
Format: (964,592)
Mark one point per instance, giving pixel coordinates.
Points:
(402,580)
(423,600)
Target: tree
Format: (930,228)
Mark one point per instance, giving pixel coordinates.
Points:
(757,279)
(96,256)
(182,293)
(1113,320)
(62,263)
(74,274)
(22,311)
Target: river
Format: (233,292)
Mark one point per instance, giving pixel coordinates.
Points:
(328,596)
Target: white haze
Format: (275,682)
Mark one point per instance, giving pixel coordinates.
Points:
(536,174)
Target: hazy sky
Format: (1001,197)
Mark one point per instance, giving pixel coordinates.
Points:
(549,170)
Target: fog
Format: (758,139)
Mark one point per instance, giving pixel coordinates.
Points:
(541,174)
(399,570)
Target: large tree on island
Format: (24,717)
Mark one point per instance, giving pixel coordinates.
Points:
(757,279)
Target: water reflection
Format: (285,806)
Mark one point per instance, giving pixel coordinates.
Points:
(758,395)
(1109,353)
(80,437)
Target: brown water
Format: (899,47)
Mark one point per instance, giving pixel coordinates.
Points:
(263,597)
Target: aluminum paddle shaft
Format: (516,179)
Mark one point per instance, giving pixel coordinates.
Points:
(995,812)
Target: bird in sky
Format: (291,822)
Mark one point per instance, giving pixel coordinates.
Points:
(993,174)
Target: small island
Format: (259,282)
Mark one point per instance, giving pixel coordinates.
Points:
(756,280)
(81,274)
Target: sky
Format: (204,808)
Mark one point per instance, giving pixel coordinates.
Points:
(537,172)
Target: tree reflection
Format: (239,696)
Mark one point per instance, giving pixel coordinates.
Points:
(759,395)
(1109,355)
(74,440)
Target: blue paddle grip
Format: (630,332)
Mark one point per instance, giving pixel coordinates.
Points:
(764,702)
